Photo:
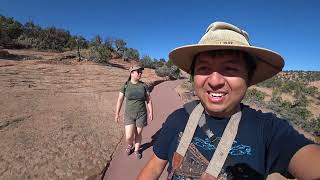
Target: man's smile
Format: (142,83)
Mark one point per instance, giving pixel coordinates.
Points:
(216,97)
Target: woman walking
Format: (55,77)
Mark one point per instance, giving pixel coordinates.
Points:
(135,116)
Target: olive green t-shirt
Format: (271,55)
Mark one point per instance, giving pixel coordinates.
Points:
(136,95)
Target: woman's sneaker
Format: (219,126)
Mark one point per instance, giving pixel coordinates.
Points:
(129,150)
(138,154)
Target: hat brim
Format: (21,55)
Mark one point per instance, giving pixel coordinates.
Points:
(268,63)
(135,69)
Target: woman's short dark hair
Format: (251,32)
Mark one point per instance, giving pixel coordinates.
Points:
(249,60)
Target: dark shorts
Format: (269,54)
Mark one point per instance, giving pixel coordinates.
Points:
(138,118)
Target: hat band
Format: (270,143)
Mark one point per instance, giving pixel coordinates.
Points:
(214,42)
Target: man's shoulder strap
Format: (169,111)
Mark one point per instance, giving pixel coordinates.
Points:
(196,112)
(224,146)
(190,106)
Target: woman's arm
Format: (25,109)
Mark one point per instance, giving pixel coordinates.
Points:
(118,107)
(150,108)
(153,169)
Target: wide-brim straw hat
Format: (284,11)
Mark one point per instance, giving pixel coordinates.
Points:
(224,36)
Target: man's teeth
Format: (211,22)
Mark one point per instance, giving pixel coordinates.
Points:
(216,94)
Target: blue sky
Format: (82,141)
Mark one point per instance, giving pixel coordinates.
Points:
(154,27)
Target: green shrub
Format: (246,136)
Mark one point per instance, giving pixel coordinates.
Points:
(288,86)
(189,85)
(311,91)
(120,47)
(163,71)
(295,112)
(131,53)
(171,72)
(100,54)
(317,125)
(146,62)
(10,30)
(270,83)
(174,72)
(301,113)
(300,100)
(254,96)
(28,42)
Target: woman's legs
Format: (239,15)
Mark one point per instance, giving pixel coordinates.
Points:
(140,123)
(133,131)
(138,138)
(130,132)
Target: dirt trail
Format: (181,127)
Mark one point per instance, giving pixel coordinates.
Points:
(165,100)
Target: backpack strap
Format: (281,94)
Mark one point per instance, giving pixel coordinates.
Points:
(190,106)
(143,84)
(190,129)
(146,88)
(125,88)
(186,137)
(224,146)
(202,121)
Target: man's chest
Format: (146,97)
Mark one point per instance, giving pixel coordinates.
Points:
(244,157)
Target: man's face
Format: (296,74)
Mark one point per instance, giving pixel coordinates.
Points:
(220,82)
